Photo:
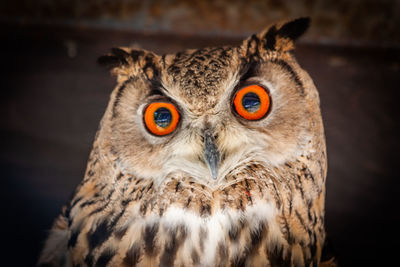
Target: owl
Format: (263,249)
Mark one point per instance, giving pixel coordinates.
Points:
(208,157)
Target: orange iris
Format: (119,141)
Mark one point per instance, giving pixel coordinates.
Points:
(161,118)
(252,102)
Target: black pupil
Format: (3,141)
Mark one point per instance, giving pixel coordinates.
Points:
(162,117)
(251,102)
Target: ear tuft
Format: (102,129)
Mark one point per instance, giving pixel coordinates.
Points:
(116,58)
(125,62)
(294,29)
(281,37)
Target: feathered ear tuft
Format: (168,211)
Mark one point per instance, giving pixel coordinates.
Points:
(294,29)
(127,62)
(116,58)
(281,37)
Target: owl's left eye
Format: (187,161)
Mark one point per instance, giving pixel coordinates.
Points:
(252,102)
(161,118)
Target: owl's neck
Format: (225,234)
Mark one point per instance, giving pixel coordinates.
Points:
(262,216)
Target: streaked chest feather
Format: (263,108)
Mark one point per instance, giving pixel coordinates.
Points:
(253,221)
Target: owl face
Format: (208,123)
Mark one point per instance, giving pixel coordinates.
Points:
(206,113)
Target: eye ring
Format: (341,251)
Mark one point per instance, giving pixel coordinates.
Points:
(252,102)
(161,118)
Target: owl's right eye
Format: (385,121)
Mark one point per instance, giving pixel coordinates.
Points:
(161,118)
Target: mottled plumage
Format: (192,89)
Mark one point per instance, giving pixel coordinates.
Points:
(151,200)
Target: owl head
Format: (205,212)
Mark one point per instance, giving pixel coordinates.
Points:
(206,113)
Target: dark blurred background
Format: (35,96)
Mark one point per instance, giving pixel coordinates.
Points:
(53,97)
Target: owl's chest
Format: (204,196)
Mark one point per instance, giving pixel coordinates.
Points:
(181,237)
(183,224)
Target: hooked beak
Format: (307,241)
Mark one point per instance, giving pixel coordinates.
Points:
(211,153)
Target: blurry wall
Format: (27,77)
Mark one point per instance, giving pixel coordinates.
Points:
(334,21)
